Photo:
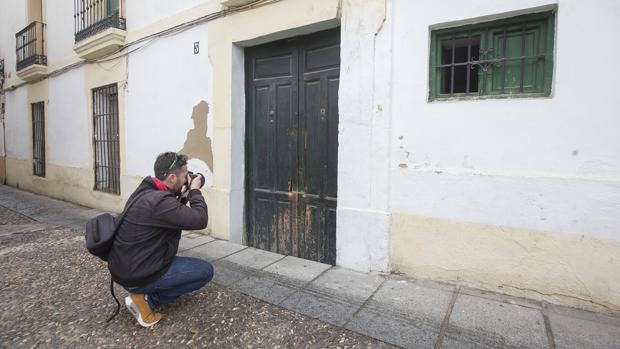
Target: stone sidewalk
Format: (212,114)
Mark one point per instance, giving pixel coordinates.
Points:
(403,311)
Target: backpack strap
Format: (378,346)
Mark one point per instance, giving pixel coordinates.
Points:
(118,304)
(121,217)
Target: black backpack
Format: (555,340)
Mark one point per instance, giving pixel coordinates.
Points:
(99,235)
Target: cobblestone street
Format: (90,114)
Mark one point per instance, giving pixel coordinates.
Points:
(57,295)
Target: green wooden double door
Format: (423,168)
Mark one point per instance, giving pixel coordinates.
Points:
(292,145)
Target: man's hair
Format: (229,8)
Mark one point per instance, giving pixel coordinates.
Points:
(167,163)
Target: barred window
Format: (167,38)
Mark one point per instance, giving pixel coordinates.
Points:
(38,139)
(106,139)
(508,57)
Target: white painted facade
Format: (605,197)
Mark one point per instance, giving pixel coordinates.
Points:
(67,146)
(160,108)
(549,164)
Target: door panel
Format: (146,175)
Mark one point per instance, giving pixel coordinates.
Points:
(292,145)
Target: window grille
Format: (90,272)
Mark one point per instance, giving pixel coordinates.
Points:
(106,139)
(38,139)
(507,57)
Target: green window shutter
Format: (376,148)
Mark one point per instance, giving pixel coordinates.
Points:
(509,57)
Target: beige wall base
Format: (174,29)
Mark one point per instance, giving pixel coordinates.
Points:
(2,168)
(68,184)
(572,270)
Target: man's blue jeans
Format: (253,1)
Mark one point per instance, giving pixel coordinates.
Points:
(186,274)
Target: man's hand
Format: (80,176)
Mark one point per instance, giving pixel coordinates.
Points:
(195,184)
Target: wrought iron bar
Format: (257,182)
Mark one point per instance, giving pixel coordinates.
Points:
(94,16)
(30,46)
(106,139)
(38,139)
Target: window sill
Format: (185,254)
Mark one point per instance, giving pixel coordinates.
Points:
(504,96)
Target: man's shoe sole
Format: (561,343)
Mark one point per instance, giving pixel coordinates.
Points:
(133,309)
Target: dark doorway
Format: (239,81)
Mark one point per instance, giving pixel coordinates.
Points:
(292,145)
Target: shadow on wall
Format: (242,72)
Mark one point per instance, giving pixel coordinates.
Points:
(197,145)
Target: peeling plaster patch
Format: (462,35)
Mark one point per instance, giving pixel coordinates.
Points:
(197,145)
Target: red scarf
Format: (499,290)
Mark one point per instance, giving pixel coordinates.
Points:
(159,184)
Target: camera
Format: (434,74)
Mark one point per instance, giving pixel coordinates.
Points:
(193,176)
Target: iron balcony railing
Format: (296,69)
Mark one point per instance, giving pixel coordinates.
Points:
(30,46)
(94,16)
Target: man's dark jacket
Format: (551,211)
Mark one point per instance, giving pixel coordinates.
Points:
(148,238)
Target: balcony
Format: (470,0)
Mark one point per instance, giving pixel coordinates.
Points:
(99,27)
(30,50)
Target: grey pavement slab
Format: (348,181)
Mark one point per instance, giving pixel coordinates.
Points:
(213,250)
(354,286)
(254,258)
(393,329)
(226,273)
(192,240)
(529,303)
(581,329)
(264,289)
(481,322)
(421,301)
(329,310)
(46,209)
(297,268)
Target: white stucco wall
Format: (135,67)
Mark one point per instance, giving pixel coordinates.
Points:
(142,13)
(59,31)
(12,20)
(17,129)
(363,217)
(540,163)
(67,135)
(166,81)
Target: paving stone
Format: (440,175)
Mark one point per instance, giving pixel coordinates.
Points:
(265,289)
(421,301)
(190,241)
(581,329)
(392,329)
(489,323)
(354,286)
(530,303)
(316,306)
(462,343)
(297,268)
(213,250)
(226,274)
(254,258)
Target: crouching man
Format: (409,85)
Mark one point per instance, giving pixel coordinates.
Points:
(143,257)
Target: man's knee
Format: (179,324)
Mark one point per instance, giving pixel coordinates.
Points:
(206,272)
